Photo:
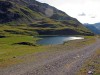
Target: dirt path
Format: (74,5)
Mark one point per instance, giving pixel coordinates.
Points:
(63,63)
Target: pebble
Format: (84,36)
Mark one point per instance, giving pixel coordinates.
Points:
(90,72)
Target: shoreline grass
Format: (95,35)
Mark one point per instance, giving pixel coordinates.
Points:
(9,53)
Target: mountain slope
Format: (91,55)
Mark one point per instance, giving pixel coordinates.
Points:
(33,14)
(94,27)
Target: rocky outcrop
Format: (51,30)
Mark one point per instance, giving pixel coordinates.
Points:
(5,14)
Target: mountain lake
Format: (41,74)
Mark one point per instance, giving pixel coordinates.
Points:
(54,40)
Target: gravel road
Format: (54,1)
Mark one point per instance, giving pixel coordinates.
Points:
(61,63)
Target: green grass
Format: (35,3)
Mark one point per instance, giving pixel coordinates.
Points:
(9,52)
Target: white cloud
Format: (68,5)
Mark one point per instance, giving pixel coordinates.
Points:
(74,7)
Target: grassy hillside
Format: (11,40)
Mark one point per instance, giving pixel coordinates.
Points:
(34,17)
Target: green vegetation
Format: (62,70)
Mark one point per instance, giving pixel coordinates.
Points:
(9,51)
(93,64)
(15,42)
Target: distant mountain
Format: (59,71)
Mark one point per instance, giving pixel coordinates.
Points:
(31,13)
(94,27)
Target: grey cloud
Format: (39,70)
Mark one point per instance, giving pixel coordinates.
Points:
(82,14)
(93,17)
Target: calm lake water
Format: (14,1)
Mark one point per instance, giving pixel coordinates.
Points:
(53,40)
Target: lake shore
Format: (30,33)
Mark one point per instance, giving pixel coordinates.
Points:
(54,53)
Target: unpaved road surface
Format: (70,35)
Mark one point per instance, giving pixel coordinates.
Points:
(63,63)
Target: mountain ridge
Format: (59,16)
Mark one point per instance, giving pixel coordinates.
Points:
(94,27)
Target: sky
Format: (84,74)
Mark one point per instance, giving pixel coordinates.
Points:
(86,11)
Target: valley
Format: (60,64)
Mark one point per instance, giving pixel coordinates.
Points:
(24,22)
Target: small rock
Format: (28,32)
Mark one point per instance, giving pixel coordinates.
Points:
(90,72)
